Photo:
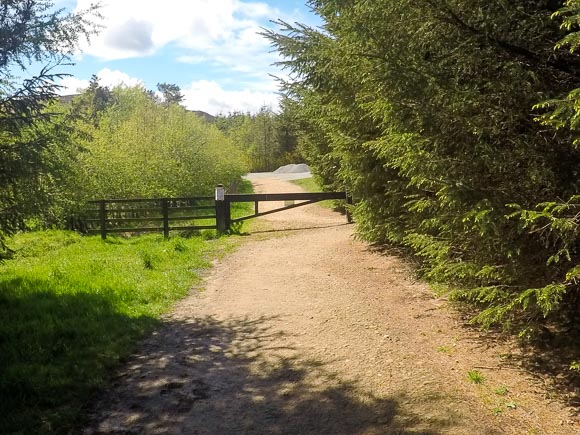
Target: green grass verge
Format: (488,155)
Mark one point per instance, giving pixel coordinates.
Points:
(240,209)
(310,185)
(72,308)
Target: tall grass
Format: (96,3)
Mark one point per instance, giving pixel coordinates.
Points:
(71,308)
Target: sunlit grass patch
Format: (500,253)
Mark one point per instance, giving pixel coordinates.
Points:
(475,377)
(72,307)
(310,185)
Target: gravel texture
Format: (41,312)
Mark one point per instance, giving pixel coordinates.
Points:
(304,330)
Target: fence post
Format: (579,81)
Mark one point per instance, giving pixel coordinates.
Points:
(165,212)
(228,213)
(220,209)
(103,218)
(348,204)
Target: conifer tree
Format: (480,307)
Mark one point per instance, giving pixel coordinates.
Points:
(425,111)
(31,32)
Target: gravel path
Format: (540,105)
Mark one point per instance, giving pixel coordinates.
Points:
(305,331)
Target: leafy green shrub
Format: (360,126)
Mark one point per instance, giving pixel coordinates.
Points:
(141,148)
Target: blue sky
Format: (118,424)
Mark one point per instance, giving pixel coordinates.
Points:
(210,48)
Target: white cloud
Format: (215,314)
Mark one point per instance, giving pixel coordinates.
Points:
(107,77)
(140,27)
(218,36)
(205,95)
(210,97)
(192,59)
(254,9)
(133,36)
(114,78)
(224,33)
(72,85)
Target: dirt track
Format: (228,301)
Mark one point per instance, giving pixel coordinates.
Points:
(305,331)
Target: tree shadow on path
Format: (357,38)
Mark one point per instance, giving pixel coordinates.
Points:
(241,376)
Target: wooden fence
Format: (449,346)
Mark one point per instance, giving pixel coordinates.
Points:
(197,213)
(151,215)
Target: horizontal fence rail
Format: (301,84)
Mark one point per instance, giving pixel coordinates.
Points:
(223,203)
(300,196)
(151,215)
(195,213)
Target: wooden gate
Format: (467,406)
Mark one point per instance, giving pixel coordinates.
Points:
(223,203)
(178,214)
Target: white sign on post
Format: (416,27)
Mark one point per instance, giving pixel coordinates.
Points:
(219,193)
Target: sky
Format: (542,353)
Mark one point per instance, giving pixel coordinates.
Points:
(211,49)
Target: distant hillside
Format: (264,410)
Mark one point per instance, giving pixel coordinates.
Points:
(204,115)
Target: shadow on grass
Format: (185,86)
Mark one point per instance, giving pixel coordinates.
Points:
(56,350)
(244,376)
